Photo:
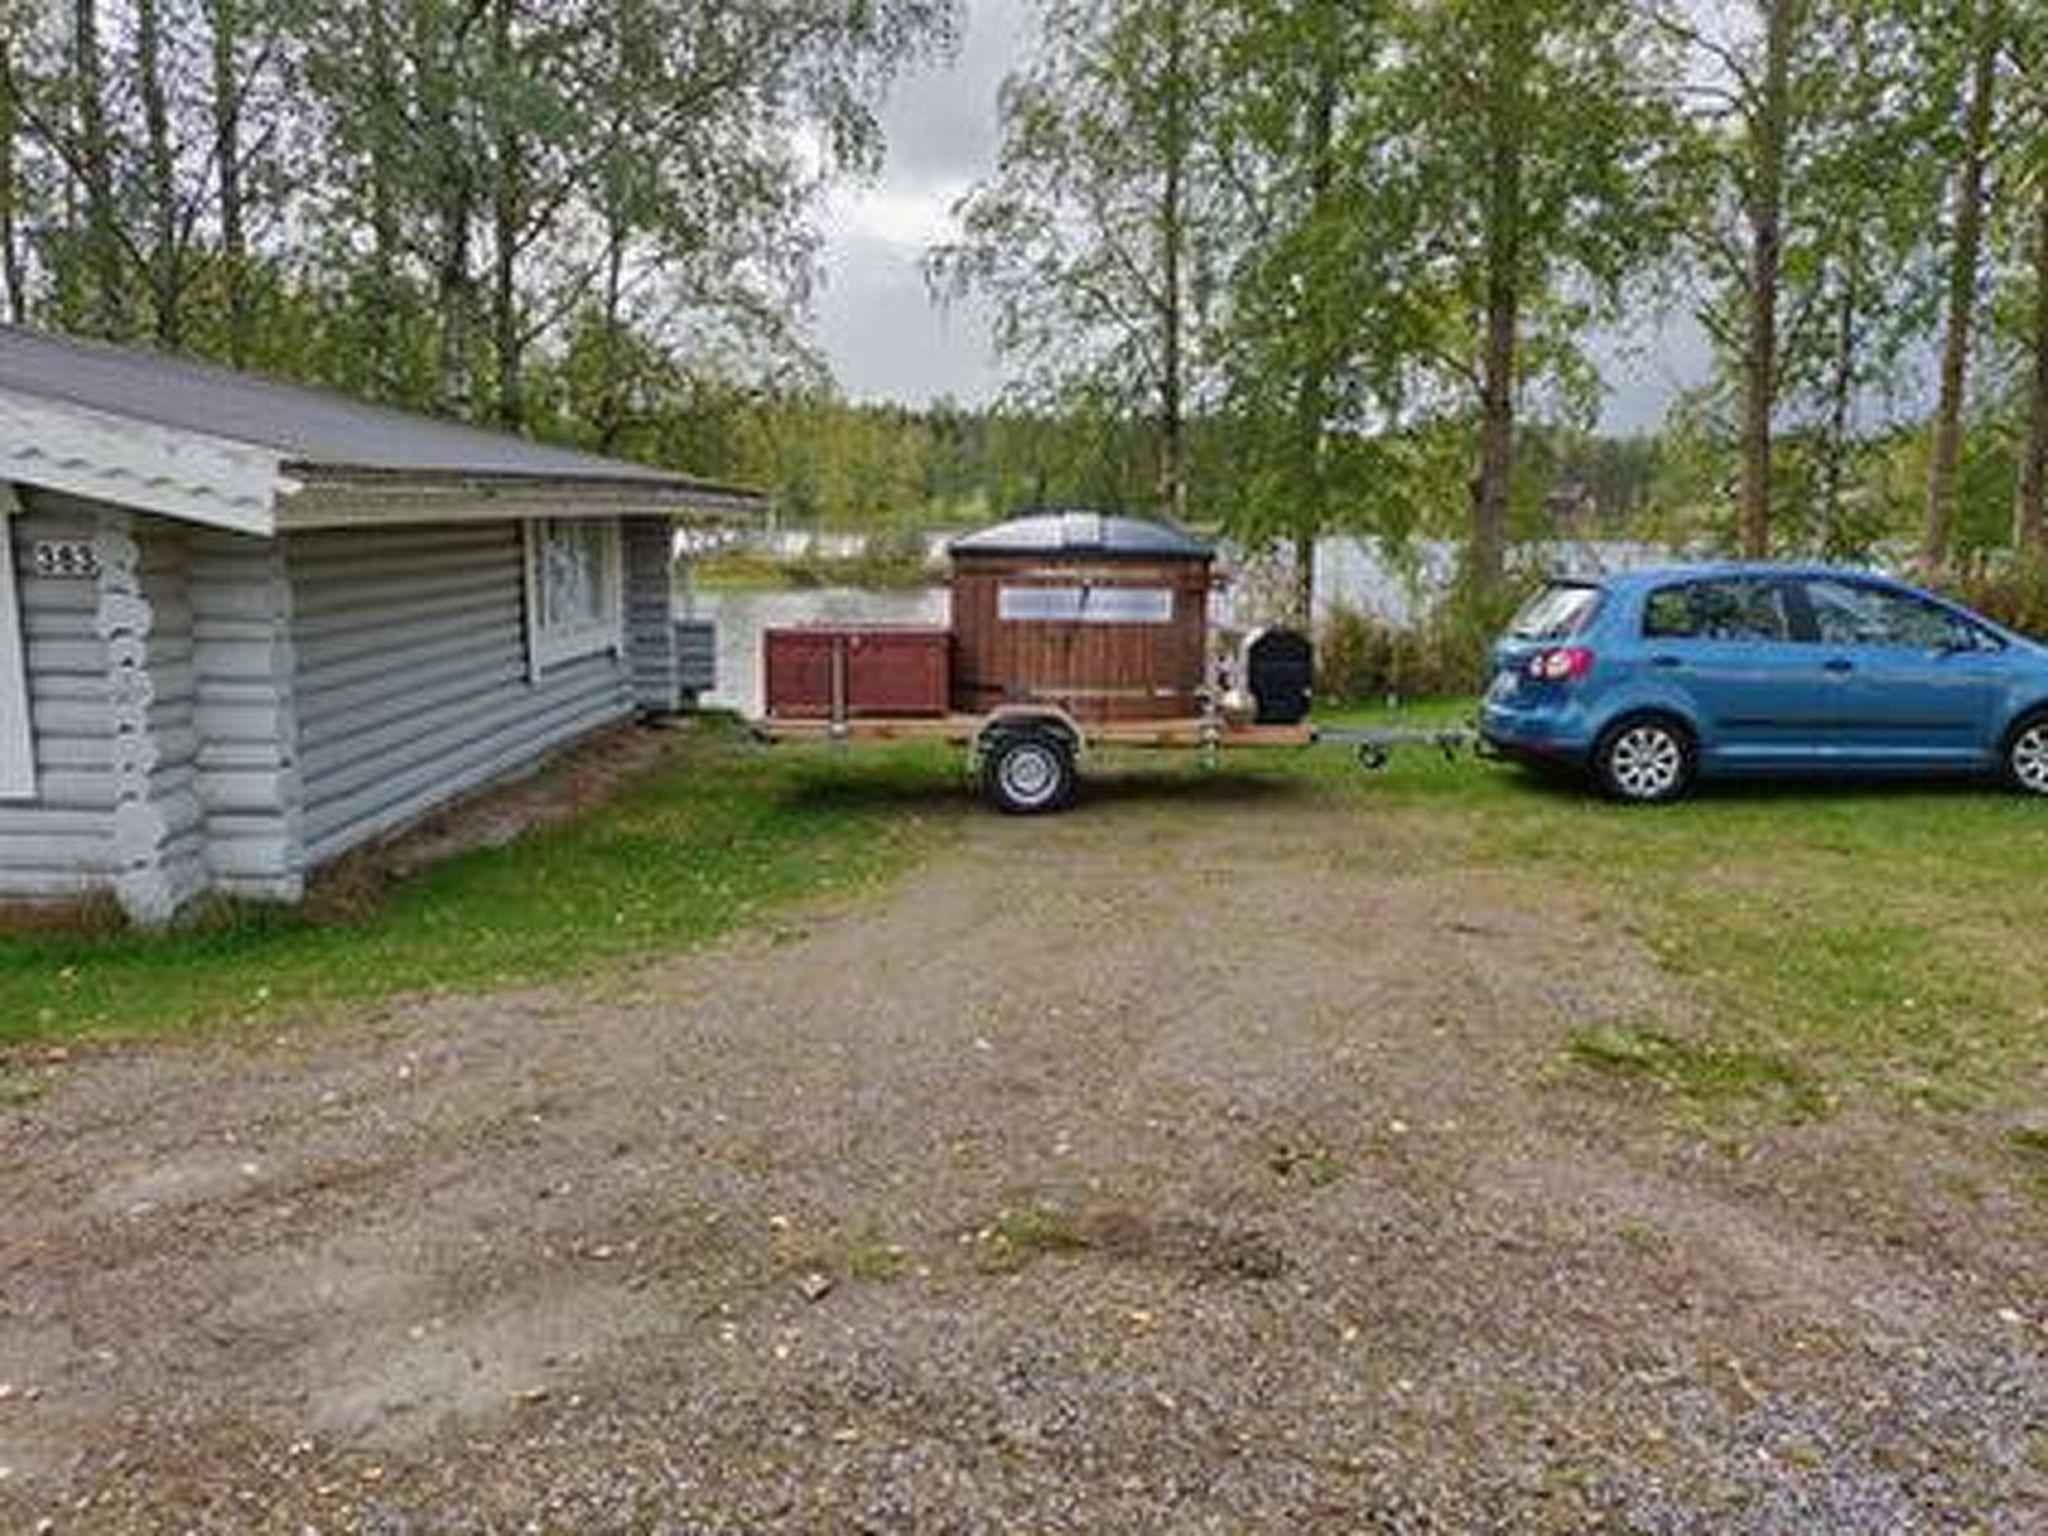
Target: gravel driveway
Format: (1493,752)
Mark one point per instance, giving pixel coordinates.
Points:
(1204,1161)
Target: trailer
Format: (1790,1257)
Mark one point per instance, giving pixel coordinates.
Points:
(1070,633)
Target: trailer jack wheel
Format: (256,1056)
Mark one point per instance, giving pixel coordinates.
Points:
(1028,773)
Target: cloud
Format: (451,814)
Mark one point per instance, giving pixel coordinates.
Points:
(887,339)
(878,325)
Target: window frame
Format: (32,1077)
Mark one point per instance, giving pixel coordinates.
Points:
(17,734)
(1789,598)
(1961,622)
(550,646)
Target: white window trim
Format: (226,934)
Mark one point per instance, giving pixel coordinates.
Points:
(546,647)
(17,743)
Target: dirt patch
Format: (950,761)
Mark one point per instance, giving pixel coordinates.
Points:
(566,785)
(1176,1165)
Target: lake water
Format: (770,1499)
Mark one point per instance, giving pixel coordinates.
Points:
(1352,572)
(741,616)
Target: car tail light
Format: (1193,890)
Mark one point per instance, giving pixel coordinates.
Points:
(1561,664)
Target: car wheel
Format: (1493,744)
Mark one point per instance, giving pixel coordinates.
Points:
(1645,760)
(1028,773)
(2026,755)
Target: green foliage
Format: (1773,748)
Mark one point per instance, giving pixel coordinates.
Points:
(1360,659)
(436,198)
(1708,1072)
(2014,594)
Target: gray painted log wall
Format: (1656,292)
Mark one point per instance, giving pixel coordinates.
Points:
(215,711)
(412,676)
(61,842)
(649,557)
(249,784)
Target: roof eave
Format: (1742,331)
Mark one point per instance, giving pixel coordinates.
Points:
(359,497)
(196,477)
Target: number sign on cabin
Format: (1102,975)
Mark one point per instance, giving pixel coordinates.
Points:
(61,558)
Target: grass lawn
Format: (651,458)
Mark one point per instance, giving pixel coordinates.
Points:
(1838,940)
(718,832)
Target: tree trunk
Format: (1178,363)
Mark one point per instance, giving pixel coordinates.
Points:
(1312,400)
(1841,400)
(1962,290)
(1765,213)
(506,219)
(1486,558)
(1172,234)
(439,61)
(227,156)
(96,172)
(610,399)
(166,299)
(10,245)
(383,296)
(2030,512)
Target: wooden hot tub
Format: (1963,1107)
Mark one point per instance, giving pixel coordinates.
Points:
(1105,617)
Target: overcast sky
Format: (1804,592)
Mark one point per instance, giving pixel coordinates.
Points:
(886,339)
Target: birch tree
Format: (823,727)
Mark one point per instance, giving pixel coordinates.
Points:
(1098,238)
(1983,36)
(1544,163)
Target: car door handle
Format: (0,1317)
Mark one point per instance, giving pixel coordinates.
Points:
(1839,664)
(1666,661)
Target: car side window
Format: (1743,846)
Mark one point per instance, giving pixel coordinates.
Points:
(1716,610)
(1851,613)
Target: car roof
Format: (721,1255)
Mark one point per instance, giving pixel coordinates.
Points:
(1710,570)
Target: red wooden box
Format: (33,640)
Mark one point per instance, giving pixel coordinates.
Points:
(872,669)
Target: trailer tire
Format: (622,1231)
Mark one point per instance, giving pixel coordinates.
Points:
(1028,772)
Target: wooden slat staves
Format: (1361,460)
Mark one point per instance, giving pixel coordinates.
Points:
(1116,670)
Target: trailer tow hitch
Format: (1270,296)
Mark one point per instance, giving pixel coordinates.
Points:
(1375,745)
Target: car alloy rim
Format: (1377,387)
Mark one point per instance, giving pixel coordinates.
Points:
(1646,762)
(1029,774)
(2030,759)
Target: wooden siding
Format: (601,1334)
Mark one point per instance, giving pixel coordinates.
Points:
(61,842)
(1097,671)
(411,675)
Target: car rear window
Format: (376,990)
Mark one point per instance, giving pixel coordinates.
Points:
(1560,610)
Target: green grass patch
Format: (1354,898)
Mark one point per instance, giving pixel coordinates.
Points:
(1017,1237)
(18,1088)
(1710,1073)
(889,568)
(720,831)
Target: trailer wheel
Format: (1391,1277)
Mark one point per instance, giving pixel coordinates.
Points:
(1028,773)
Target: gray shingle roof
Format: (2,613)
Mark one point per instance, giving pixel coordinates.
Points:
(310,429)
(1082,533)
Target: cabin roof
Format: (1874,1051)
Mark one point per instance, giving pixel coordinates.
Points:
(88,396)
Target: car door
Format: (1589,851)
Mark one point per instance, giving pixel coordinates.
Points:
(1726,646)
(1912,684)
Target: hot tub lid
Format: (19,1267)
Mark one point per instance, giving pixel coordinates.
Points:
(1083,533)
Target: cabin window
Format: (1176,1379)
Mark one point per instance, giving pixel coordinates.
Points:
(573,580)
(17,748)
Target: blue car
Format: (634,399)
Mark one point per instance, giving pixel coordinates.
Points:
(1654,679)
